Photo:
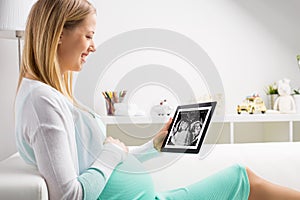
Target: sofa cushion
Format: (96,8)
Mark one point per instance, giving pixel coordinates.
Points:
(278,162)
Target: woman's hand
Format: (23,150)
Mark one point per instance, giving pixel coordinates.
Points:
(117,143)
(160,136)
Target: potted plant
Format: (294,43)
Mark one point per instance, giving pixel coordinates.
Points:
(296,95)
(272,94)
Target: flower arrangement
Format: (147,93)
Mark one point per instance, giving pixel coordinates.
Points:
(296,91)
(296,95)
(272,89)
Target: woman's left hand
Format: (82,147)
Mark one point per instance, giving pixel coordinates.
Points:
(160,136)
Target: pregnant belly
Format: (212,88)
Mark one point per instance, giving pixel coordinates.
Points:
(129,181)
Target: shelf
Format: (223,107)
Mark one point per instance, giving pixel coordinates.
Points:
(232,121)
(110,120)
(235,118)
(8,34)
(262,118)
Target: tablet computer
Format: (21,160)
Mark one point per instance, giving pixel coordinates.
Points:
(188,128)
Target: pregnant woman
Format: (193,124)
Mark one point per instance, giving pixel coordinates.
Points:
(66,141)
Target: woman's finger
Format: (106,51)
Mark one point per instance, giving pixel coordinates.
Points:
(167,125)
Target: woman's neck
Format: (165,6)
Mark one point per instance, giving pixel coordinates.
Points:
(29,76)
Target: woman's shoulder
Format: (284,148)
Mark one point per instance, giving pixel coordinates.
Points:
(39,93)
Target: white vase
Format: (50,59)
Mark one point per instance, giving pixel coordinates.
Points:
(297,103)
(271,100)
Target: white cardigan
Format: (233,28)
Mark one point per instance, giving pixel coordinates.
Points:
(64,142)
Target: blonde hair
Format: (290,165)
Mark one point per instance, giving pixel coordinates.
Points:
(45,23)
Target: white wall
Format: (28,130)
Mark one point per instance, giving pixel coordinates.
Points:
(252,43)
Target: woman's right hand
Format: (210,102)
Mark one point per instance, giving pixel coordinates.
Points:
(117,143)
(113,152)
(160,136)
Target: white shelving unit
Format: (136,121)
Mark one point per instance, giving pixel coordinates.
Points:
(232,120)
(111,120)
(262,118)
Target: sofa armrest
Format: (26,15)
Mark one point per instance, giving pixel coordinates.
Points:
(19,180)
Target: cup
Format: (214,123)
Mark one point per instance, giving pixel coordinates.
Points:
(124,109)
(111,98)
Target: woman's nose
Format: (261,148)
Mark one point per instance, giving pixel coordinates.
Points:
(92,48)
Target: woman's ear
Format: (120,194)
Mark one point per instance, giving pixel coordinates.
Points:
(60,38)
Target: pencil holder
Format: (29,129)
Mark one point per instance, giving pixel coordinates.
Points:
(112,97)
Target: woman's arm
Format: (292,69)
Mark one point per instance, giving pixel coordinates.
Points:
(144,152)
(56,154)
(151,148)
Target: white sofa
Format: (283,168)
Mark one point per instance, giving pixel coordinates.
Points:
(20,181)
(277,162)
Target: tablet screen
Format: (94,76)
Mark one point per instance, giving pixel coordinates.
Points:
(188,128)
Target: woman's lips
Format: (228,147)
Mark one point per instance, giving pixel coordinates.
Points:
(83,57)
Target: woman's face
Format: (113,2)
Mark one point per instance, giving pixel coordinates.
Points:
(75,45)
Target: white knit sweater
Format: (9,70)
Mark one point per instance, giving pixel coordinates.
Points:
(64,142)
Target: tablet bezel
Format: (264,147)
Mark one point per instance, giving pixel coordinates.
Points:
(206,106)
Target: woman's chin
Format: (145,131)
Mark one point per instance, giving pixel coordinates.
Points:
(78,67)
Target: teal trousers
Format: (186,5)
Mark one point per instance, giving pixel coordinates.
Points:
(128,182)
